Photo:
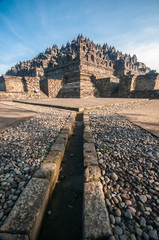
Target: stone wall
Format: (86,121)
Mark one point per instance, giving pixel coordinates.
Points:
(142,86)
(32,83)
(20,88)
(2,84)
(54,87)
(60,72)
(12,84)
(103,86)
(125,85)
(147,82)
(151,94)
(11,95)
(99,71)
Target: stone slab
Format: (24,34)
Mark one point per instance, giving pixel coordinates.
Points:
(10,116)
(58,146)
(90,161)
(46,171)
(89,147)
(53,157)
(80,104)
(63,137)
(92,173)
(26,216)
(6,236)
(87,136)
(146,116)
(96,219)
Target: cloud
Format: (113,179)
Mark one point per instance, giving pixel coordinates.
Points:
(4,68)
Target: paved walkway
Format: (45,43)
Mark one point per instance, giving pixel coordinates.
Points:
(10,116)
(79,104)
(146,116)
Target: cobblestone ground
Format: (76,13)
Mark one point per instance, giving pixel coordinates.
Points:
(23,148)
(129,160)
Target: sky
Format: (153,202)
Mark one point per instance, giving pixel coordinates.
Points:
(28,27)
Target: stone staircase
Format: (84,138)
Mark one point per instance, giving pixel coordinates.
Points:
(70,90)
(87,89)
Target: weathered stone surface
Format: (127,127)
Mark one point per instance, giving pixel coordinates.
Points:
(53,157)
(26,215)
(87,136)
(46,171)
(81,69)
(7,236)
(62,138)
(58,147)
(96,219)
(90,159)
(89,147)
(92,173)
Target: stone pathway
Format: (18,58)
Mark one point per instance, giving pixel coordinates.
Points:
(145,116)
(79,104)
(10,115)
(23,148)
(128,157)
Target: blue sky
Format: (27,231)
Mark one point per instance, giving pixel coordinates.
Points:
(28,27)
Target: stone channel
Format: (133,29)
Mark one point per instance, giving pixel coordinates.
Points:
(127,156)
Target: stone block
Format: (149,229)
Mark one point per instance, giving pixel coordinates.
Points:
(90,161)
(87,136)
(7,236)
(89,147)
(92,173)
(62,138)
(26,215)
(54,157)
(95,214)
(46,171)
(87,127)
(58,147)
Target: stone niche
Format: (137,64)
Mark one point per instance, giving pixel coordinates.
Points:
(2,84)
(51,87)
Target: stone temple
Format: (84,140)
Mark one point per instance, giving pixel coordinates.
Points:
(80,69)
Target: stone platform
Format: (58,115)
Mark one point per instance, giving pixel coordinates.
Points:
(9,116)
(146,116)
(80,104)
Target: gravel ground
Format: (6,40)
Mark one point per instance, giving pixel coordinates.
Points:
(128,157)
(23,148)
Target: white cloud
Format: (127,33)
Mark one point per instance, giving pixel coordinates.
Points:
(146,53)
(4,68)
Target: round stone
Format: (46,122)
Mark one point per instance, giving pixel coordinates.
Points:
(14,198)
(112,238)
(145,236)
(114,177)
(132,237)
(128,202)
(128,215)
(142,222)
(1,215)
(117,220)
(143,198)
(138,231)
(153,234)
(118,212)
(117,230)
(112,219)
